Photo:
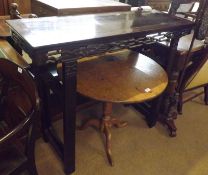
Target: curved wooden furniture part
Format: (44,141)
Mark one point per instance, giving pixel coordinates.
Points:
(125,77)
(8,52)
(19,109)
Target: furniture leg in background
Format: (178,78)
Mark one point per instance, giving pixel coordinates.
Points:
(170,98)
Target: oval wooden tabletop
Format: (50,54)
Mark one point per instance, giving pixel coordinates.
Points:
(125,77)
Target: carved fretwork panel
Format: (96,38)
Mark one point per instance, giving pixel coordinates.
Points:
(97,49)
(85,50)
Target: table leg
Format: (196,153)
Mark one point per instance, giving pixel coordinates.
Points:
(170,99)
(104,125)
(69,113)
(45,117)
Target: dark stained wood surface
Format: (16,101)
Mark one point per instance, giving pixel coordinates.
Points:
(124,77)
(52,31)
(72,7)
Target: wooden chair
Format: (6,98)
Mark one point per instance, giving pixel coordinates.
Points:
(184,8)
(176,4)
(184,42)
(192,51)
(194,74)
(19,108)
(8,52)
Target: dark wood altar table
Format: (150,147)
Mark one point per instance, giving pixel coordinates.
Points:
(85,35)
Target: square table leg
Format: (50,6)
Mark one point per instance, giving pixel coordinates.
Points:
(69,115)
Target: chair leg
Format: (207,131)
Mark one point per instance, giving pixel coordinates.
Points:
(180,103)
(206,94)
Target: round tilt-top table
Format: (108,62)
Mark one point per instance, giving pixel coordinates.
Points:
(124,77)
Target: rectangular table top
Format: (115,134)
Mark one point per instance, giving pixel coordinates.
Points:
(53,31)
